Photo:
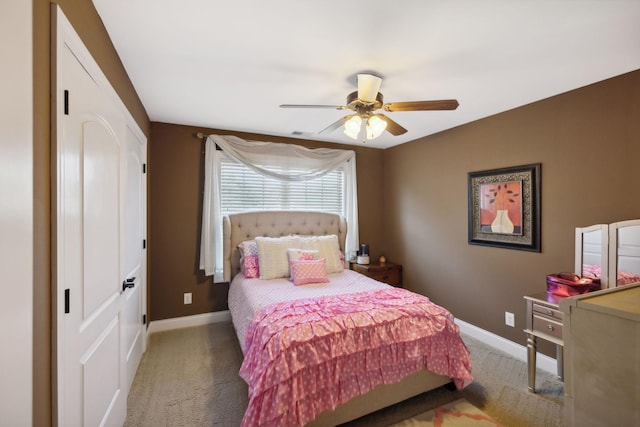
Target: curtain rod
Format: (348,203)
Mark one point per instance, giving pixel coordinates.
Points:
(201,135)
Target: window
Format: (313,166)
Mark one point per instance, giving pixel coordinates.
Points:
(242,189)
(253,175)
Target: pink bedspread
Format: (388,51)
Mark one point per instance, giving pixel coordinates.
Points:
(307,356)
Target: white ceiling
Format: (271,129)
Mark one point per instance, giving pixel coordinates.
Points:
(230,64)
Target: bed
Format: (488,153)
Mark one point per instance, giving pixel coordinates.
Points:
(366,344)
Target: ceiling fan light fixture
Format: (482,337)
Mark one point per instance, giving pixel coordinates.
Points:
(368,87)
(352,126)
(366,124)
(375,127)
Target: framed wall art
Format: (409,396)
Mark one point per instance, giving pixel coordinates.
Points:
(504,207)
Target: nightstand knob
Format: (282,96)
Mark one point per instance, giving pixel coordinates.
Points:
(550,327)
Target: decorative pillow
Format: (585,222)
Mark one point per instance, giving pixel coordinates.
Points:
(309,271)
(328,247)
(249,259)
(343,261)
(304,254)
(272,255)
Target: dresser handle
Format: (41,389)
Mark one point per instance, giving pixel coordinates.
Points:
(549,312)
(550,327)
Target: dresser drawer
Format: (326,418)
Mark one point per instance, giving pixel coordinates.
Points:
(547,311)
(545,325)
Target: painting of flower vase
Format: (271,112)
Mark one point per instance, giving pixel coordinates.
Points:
(501,207)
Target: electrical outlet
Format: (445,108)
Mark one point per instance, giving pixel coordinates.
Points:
(187,298)
(509,319)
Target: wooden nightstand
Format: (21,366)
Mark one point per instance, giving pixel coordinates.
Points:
(388,272)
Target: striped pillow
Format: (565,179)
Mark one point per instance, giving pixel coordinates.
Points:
(249,259)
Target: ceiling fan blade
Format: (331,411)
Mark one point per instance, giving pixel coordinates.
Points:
(392,126)
(335,125)
(368,87)
(333,107)
(443,104)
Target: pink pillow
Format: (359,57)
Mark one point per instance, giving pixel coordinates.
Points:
(249,263)
(309,271)
(250,266)
(343,261)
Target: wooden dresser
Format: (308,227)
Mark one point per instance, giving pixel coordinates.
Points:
(387,272)
(602,357)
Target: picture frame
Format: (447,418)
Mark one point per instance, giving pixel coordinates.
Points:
(504,207)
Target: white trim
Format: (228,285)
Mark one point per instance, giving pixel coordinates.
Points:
(516,350)
(188,321)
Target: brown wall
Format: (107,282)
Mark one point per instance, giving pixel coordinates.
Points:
(175,203)
(588,142)
(85,20)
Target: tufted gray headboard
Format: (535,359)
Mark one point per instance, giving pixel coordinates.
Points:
(245,226)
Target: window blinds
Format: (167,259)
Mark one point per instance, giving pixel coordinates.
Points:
(242,189)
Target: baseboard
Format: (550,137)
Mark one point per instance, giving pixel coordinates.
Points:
(516,350)
(188,321)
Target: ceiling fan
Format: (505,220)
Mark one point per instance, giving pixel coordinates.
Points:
(365,102)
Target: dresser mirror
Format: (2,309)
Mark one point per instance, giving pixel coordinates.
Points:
(610,252)
(624,242)
(592,253)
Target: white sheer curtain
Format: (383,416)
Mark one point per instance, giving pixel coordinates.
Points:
(305,164)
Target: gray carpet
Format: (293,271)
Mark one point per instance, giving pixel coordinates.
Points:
(189,377)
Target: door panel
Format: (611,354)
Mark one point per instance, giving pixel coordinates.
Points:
(101,389)
(100,172)
(133,253)
(135,333)
(133,208)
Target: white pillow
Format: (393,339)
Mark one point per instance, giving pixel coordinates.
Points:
(295,254)
(328,247)
(272,255)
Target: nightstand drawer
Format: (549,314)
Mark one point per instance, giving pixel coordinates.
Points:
(390,276)
(545,325)
(388,272)
(547,311)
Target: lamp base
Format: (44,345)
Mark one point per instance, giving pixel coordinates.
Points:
(363,259)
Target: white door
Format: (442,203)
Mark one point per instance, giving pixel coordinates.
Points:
(99,213)
(134,245)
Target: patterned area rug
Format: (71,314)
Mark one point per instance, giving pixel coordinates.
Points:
(455,414)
